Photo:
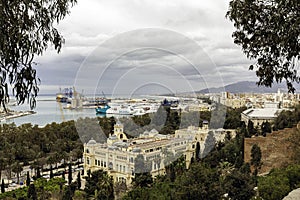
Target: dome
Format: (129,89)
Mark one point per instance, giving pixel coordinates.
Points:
(113,137)
(92,142)
(153,131)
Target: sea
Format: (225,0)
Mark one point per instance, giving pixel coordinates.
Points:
(48,110)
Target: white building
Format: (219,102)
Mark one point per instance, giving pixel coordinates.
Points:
(118,154)
(259,115)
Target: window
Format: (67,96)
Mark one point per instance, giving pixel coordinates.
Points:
(123,168)
(95,161)
(87,160)
(104,164)
(101,163)
(87,151)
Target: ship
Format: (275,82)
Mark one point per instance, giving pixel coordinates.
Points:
(102,110)
(116,110)
(65,95)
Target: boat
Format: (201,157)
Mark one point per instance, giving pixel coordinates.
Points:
(116,110)
(102,109)
(170,103)
(65,95)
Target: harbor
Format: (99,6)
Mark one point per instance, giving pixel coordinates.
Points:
(4,116)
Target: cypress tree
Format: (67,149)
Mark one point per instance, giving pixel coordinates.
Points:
(28,179)
(31,194)
(78,181)
(2,186)
(38,173)
(51,172)
(70,174)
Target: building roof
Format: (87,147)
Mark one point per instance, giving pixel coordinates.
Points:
(262,112)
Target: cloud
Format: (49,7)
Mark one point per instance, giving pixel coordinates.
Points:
(111,40)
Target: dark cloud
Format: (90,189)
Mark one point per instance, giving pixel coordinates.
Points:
(109,47)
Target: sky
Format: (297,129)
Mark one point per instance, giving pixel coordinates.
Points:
(144,46)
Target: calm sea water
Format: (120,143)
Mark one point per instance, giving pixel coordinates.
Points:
(48,111)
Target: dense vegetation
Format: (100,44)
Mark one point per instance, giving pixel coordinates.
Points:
(222,174)
(34,146)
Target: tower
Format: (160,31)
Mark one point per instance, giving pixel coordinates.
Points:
(118,131)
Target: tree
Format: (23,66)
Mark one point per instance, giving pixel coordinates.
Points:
(142,176)
(17,168)
(99,185)
(70,178)
(27,28)
(27,179)
(269,32)
(266,128)
(239,185)
(274,186)
(2,186)
(51,172)
(197,151)
(255,157)
(210,143)
(31,193)
(38,173)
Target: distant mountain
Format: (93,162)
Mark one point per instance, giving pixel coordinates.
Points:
(248,87)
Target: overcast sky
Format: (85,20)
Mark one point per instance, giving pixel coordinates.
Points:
(140,46)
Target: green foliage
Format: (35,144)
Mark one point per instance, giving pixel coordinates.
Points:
(142,174)
(268,31)
(26,31)
(287,119)
(38,146)
(233,118)
(239,185)
(266,128)
(273,187)
(99,185)
(279,182)
(200,182)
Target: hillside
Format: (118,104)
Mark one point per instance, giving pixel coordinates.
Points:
(246,87)
(277,149)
